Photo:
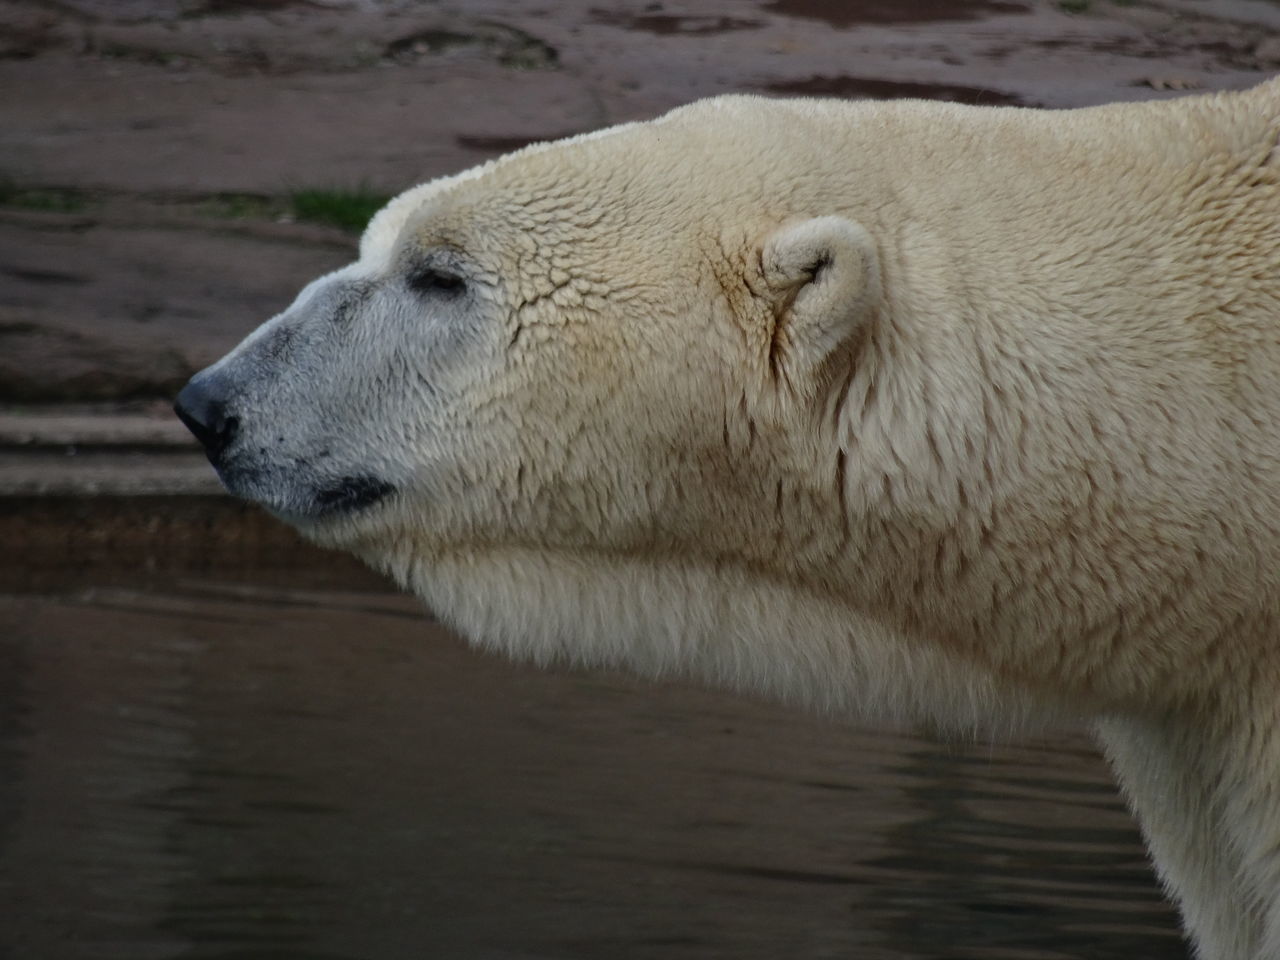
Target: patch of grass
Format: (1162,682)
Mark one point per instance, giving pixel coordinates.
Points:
(243,206)
(349,209)
(1074,6)
(45,199)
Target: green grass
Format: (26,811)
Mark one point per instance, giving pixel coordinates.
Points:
(242,206)
(350,209)
(45,199)
(347,209)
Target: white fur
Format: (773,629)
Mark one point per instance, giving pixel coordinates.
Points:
(910,412)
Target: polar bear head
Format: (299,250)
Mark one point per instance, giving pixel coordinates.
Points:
(628,345)
(646,396)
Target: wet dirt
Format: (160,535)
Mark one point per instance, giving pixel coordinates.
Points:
(665,25)
(865,87)
(218,742)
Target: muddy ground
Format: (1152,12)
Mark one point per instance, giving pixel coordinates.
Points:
(146,145)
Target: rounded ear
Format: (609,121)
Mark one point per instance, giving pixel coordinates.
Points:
(824,277)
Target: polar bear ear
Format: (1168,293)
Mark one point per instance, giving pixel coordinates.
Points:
(823,276)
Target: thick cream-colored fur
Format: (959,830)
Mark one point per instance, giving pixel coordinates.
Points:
(964,416)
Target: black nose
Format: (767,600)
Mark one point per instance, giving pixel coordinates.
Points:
(202,406)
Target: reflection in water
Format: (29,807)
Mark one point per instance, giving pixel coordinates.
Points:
(218,771)
(1020,855)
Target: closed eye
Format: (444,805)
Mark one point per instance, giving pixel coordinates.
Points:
(436,281)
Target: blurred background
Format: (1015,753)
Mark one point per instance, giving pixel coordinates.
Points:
(216,742)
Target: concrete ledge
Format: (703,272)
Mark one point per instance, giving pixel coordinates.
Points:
(54,428)
(105,473)
(82,453)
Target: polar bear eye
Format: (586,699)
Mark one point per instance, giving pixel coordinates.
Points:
(434,280)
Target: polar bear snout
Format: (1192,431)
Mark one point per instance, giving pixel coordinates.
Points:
(300,482)
(275,415)
(202,407)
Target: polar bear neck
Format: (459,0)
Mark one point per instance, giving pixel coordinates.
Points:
(717,627)
(1003,532)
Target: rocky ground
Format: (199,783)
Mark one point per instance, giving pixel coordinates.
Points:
(171,171)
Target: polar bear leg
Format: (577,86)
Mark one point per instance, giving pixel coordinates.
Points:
(1180,782)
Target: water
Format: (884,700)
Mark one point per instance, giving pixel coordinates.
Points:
(227,763)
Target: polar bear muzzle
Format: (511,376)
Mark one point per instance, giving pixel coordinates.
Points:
(297,488)
(301,480)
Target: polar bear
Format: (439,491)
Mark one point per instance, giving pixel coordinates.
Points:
(955,415)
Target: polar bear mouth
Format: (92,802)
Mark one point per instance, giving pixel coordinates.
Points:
(349,494)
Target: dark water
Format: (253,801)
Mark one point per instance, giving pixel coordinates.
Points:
(849,13)
(234,764)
